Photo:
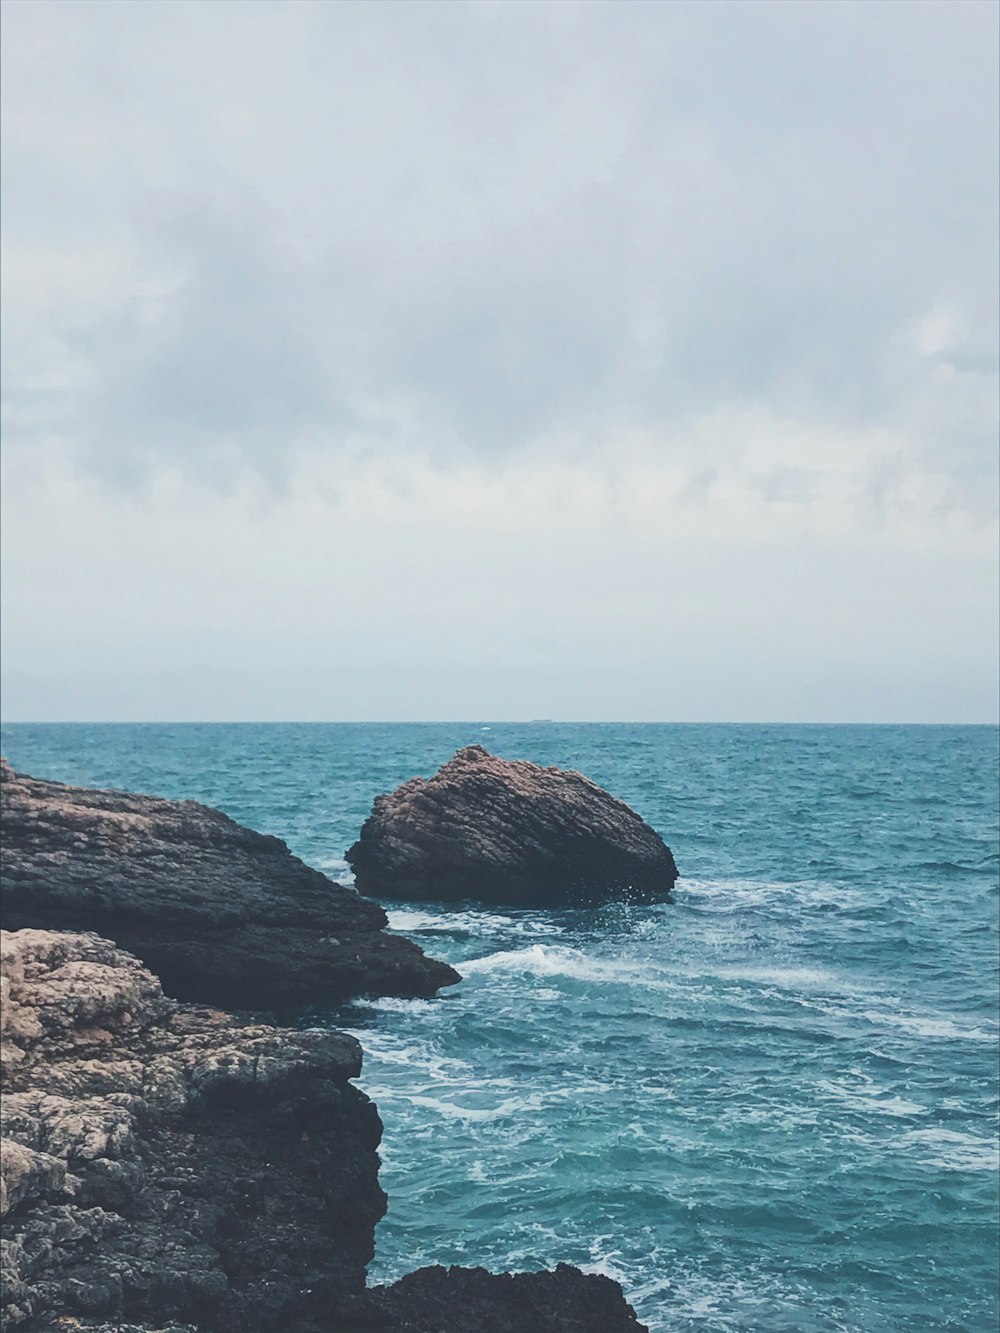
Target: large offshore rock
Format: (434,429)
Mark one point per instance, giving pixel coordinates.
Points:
(165,1164)
(508,832)
(222,915)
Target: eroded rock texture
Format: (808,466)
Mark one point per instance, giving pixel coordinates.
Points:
(221,914)
(165,1163)
(508,832)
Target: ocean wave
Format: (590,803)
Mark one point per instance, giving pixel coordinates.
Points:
(394,1004)
(335,868)
(725,1302)
(953,1150)
(930,1025)
(510,1107)
(870,1099)
(420,1056)
(544,960)
(738,895)
(955,868)
(554,960)
(415,922)
(785,978)
(607,1259)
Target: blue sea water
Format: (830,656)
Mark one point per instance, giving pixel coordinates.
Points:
(768,1105)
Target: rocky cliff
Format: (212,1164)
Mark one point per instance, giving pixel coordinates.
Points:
(165,1162)
(508,832)
(176,1169)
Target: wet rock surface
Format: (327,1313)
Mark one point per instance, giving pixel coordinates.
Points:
(511,833)
(223,915)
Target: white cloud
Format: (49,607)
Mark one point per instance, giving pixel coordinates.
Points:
(600,343)
(938,331)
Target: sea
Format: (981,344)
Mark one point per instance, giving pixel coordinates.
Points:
(769,1104)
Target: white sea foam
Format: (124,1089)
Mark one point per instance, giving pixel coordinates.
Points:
(336,868)
(871,1099)
(953,1150)
(549,960)
(608,1260)
(720,1301)
(420,1057)
(737,895)
(543,960)
(785,978)
(510,1107)
(415,921)
(788,1117)
(395,1004)
(529,926)
(930,1025)
(553,960)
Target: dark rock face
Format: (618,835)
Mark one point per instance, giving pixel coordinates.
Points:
(508,832)
(164,1163)
(471,1300)
(223,915)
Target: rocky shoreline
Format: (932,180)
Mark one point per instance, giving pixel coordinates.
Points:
(223,915)
(172,1166)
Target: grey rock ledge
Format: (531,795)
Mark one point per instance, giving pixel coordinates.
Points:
(223,915)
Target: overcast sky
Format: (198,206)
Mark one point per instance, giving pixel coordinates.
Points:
(500,360)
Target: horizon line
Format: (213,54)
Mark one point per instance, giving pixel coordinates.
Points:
(465,722)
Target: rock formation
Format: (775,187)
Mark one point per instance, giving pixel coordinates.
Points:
(223,915)
(508,832)
(171,1169)
(168,1163)
(472,1300)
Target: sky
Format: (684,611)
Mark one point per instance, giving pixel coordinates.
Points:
(495,360)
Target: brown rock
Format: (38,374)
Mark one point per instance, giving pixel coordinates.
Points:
(508,832)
